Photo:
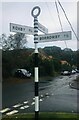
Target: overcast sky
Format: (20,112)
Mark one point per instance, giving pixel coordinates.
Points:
(20,13)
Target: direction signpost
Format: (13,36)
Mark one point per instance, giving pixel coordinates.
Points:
(21,29)
(36,60)
(55,37)
(26,29)
(42,28)
(60,36)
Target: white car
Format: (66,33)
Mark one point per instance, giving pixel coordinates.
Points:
(73,71)
(65,73)
(22,73)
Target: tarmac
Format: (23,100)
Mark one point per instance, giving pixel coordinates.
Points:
(75,83)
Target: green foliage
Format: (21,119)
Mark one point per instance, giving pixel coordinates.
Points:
(56,52)
(57,65)
(43,116)
(77,59)
(67,54)
(24,58)
(11,60)
(66,67)
(47,67)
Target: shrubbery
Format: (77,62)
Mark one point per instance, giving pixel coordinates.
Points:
(24,58)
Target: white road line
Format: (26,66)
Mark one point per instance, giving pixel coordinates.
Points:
(24,107)
(5,110)
(12,112)
(25,102)
(18,105)
(41,100)
(33,98)
(32,103)
(47,96)
(41,96)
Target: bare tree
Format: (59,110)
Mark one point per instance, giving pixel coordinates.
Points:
(16,41)
(4,43)
(20,40)
(0,42)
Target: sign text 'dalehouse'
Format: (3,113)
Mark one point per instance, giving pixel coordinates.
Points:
(55,36)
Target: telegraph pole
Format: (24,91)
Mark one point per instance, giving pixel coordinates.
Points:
(35,15)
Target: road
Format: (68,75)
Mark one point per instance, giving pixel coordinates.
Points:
(55,96)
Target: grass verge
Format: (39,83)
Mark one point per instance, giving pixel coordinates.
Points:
(43,116)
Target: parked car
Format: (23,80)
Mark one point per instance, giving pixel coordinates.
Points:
(73,71)
(77,71)
(65,73)
(22,73)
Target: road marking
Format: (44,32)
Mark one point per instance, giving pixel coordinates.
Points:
(18,105)
(33,98)
(22,108)
(47,94)
(41,96)
(26,106)
(5,110)
(41,100)
(12,112)
(25,102)
(32,103)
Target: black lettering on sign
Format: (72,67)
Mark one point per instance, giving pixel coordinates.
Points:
(13,27)
(21,29)
(58,36)
(66,35)
(52,36)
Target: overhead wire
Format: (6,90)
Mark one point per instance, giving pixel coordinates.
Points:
(60,21)
(59,16)
(68,20)
(49,10)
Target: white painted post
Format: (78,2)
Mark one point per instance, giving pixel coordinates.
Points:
(36,61)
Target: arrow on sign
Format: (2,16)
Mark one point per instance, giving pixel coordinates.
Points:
(55,37)
(42,28)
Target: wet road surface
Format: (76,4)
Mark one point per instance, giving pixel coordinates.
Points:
(55,95)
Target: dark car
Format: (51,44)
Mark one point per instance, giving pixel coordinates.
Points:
(23,73)
(77,71)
